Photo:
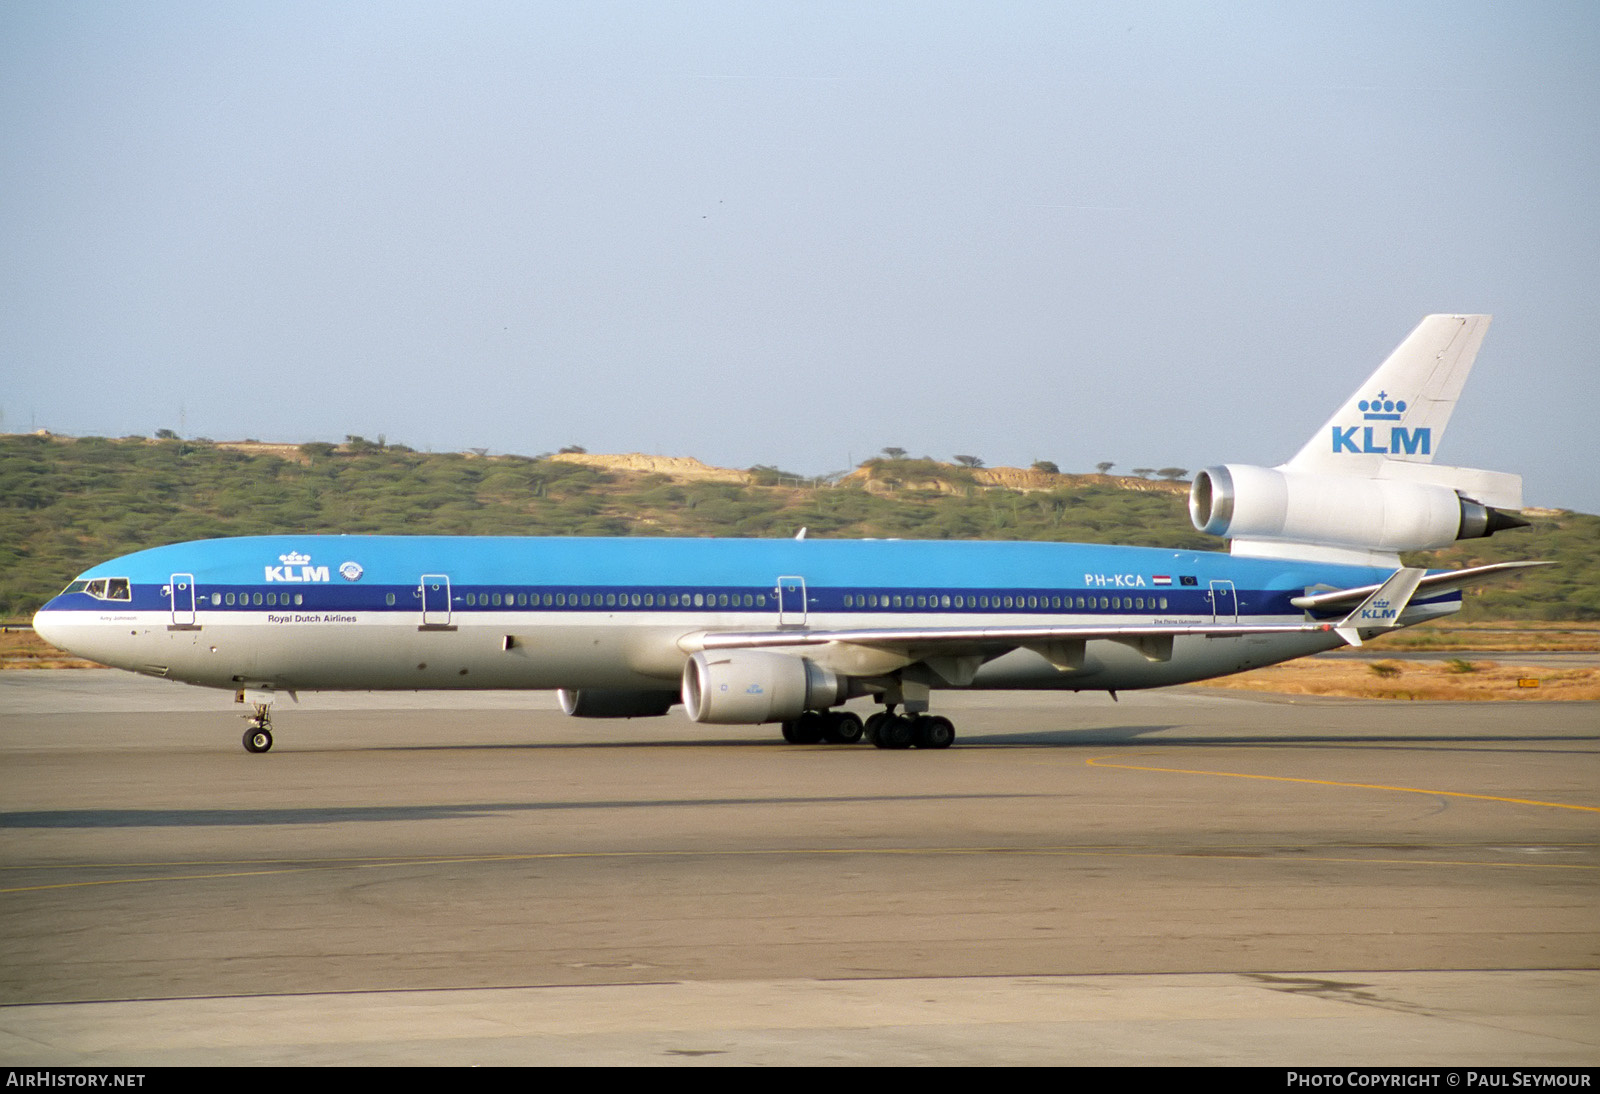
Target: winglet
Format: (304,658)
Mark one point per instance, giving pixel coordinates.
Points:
(1381,611)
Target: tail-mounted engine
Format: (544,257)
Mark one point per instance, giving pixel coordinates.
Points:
(1243,502)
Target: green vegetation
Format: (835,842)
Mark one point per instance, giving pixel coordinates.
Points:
(66,504)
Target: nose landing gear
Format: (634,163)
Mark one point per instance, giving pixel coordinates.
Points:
(258,738)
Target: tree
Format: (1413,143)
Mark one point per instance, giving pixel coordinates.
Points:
(1144,472)
(1047,466)
(969,461)
(166,435)
(1104,467)
(895,453)
(574,448)
(1173,473)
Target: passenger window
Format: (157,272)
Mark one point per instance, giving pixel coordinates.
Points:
(388,598)
(216,600)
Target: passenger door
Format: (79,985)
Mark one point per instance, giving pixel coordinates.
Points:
(435,600)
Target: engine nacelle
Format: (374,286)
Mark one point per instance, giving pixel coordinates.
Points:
(748,687)
(615,702)
(1260,503)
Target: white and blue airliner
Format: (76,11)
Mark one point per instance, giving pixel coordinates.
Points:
(747,631)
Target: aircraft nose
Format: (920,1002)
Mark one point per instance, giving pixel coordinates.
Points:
(48,627)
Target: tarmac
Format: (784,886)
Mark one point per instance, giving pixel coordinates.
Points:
(1182,877)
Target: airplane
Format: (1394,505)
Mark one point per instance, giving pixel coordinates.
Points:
(788,631)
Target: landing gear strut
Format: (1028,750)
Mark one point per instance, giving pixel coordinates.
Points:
(258,738)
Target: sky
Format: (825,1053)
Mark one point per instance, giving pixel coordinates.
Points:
(793,234)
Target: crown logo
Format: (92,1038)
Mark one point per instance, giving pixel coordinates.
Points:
(1382,409)
(294,558)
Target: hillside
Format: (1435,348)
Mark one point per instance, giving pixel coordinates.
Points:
(67,503)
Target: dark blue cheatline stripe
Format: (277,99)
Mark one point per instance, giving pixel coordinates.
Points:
(761,601)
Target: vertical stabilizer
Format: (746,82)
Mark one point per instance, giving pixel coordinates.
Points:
(1400,413)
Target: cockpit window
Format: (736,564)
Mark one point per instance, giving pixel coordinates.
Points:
(104,588)
(75,587)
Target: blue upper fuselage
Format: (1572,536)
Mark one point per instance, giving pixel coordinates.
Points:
(376,573)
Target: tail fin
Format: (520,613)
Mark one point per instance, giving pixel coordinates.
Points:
(1400,413)
(1365,487)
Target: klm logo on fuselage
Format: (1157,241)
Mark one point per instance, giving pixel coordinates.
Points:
(1399,441)
(296,567)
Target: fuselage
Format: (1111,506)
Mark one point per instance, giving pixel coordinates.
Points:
(371,612)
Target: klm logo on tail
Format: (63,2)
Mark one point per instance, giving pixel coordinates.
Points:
(1412,442)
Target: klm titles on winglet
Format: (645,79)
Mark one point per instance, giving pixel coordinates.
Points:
(1380,610)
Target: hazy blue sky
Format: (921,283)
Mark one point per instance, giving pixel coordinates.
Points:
(1157,234)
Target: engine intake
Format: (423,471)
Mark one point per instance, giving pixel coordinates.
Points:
(748,687)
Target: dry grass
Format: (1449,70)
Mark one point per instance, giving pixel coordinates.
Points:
(1417,680)
(1492,637)
(26,650)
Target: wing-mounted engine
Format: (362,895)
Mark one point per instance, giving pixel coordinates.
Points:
(615,702)
(1276,512)
(748,687)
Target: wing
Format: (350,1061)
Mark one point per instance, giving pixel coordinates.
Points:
(959,651)
(1432,585)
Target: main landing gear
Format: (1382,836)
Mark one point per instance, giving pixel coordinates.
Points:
(258,738)
(884,729)
(889,730)
(837,727)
